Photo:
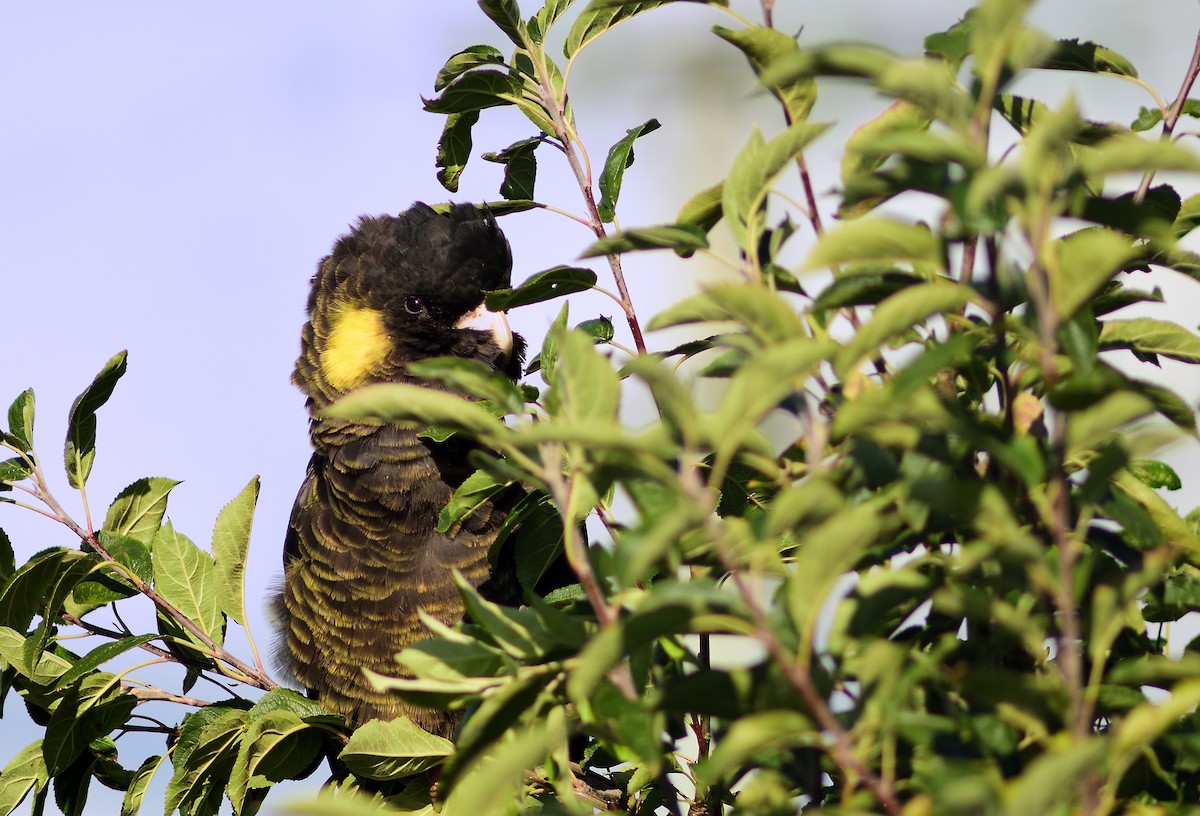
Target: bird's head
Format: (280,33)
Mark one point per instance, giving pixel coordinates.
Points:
(398,289)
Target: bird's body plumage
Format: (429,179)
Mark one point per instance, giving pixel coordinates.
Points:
(362,556)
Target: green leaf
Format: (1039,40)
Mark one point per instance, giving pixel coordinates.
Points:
(13,470)
(393,750)
(879,240)
(454,148)
(1052,778)
(827,551)
(685,239)
(8,560)
(600,329)
(506,14)
(546,285)
(89,709)
(1087,260)
(766,314)
(862,289)
(471,57)
(277,745)
(12,649)
(864,154)
(764,48)
(509,628)
(1074,55)
(750,176)
(477,489)
(1151,336)
(1187,215)
(845,60)
(1127,153)
(451,661)
(496,208)
(702,210)
(57,594)
(401,402)
(1154,216)
(185,576)
(520,168)
(751,738)
(285,699)
(25,593)
(108,585)
(1093,425)
(24,773)
(899,313)
(489,786)
(80,449)
(131,803)
(549,355)
(230,546)
(584,384)
(537,539)
(20,419)
(925,83)
(763,381)
(620,156)
(599,16)
(1156,474)
(954,44)
(546,16)
(474,379)
(98,657)
(137,511)
(1149,117)
(529,92)
(475,91)
(204,756)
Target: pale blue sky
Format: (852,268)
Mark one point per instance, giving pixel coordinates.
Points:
(171,173)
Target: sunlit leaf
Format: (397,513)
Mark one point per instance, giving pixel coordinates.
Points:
(897,314)
(876,240)
(80,449)
(20,419)
(1151,336)
(765,47)
(230,547)
(25,773)
(401,402)
(185,576)
(393,750)
(138,510)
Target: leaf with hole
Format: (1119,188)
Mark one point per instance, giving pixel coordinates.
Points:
(541,286)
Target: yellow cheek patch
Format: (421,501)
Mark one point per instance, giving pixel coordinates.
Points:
(358,343)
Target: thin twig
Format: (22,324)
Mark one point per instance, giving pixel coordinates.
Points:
(148,694)
(1171,117)
(555,107)
(841,748)
(250,675)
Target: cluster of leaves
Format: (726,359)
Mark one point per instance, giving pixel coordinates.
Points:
(911,560)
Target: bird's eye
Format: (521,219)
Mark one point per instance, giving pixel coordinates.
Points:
(413,305)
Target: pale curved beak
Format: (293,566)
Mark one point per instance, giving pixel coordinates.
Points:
(483,319)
